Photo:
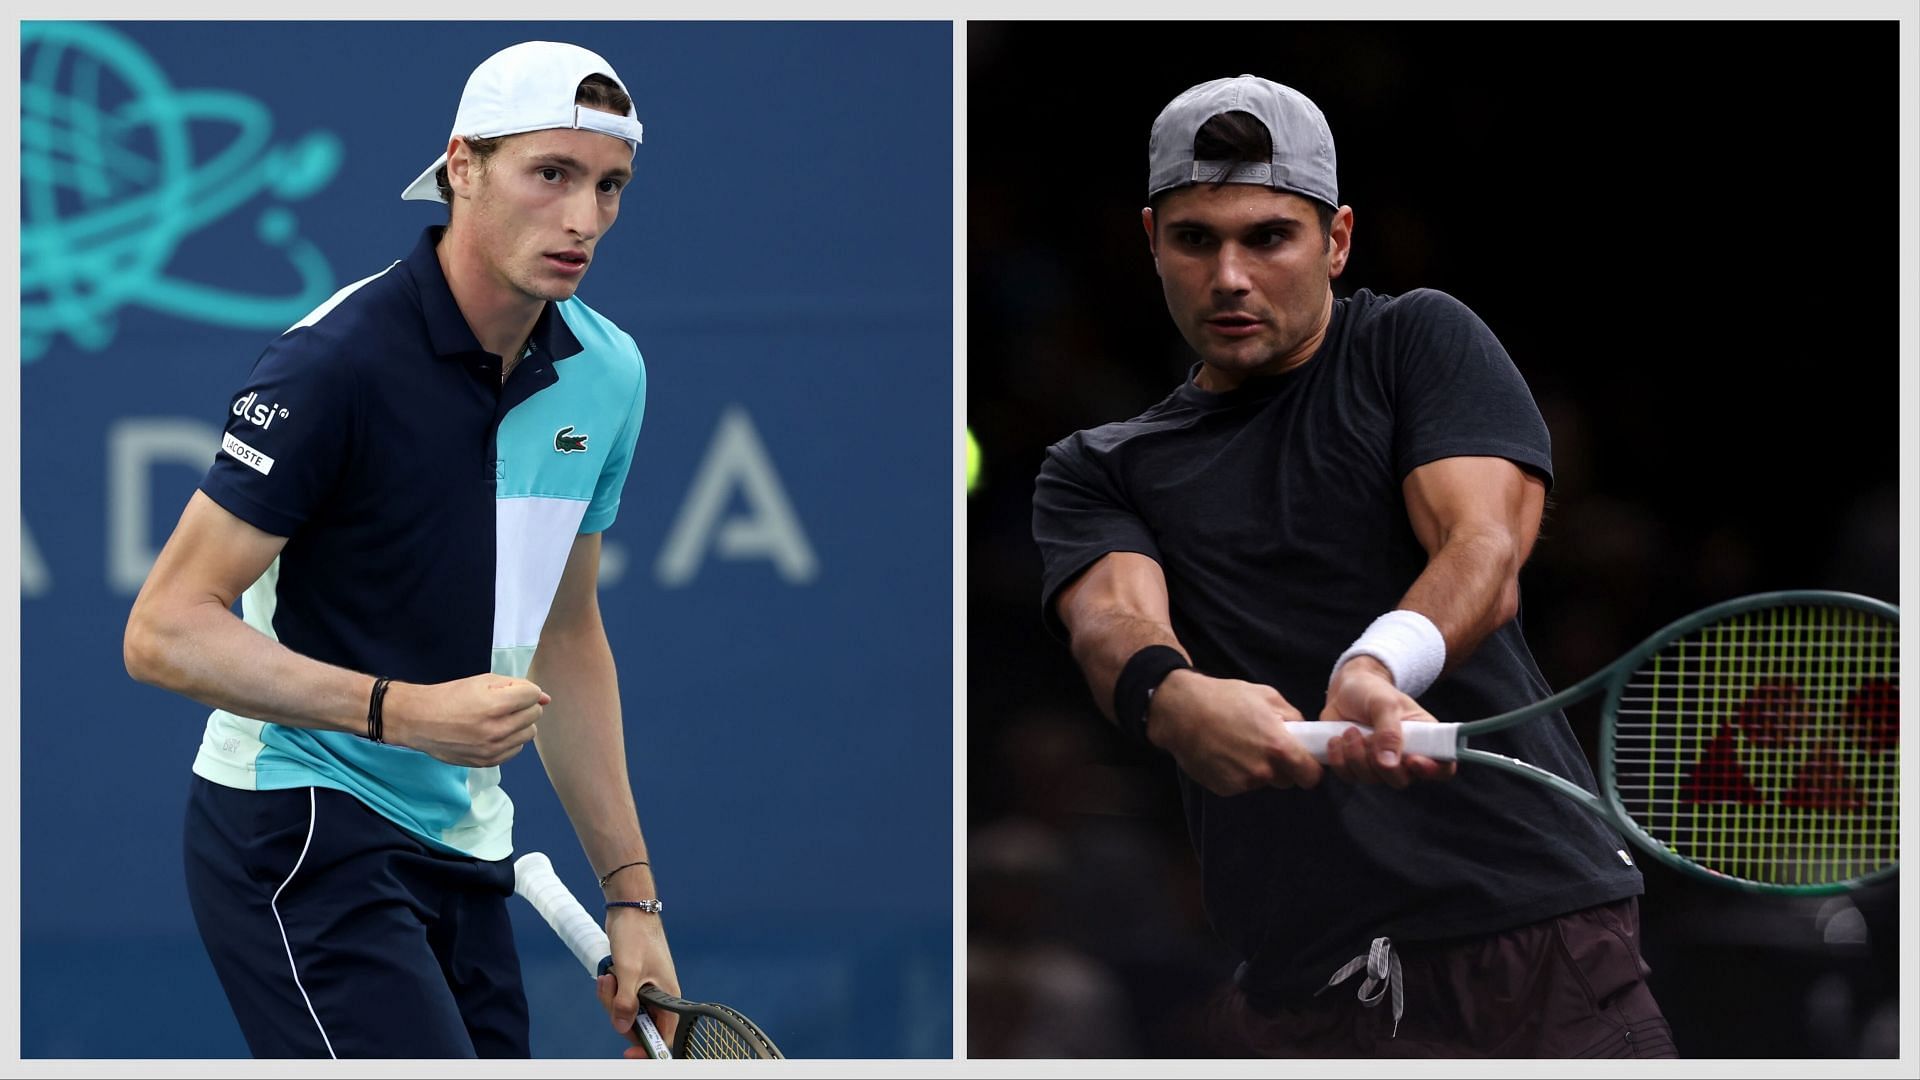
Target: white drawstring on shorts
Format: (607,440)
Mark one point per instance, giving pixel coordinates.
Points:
(1383,972)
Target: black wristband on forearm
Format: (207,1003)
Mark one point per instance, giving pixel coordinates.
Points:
(1133,690)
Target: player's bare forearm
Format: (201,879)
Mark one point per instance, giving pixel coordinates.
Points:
(1478,519)
(1113,610)
(204,652)
(1103,647)
(1470,588)
(581,741)
(584,752)
(183,636)
(583,747)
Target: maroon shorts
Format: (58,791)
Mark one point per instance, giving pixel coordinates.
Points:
(1567,987)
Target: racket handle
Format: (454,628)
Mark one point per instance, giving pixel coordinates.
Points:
(1424,737)
(533,878)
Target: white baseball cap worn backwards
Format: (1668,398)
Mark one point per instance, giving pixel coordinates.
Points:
(529,87)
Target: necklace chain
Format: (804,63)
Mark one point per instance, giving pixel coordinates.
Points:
(526,350)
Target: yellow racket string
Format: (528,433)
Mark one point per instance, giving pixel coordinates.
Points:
(1765,746)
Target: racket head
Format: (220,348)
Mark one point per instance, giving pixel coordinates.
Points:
(711,1030)
(1755,743)
(707,1029)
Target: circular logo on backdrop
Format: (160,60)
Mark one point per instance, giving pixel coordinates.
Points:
(114,177)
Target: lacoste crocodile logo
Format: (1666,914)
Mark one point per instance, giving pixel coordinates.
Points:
(567,442)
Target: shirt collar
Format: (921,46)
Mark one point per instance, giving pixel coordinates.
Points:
(447,328)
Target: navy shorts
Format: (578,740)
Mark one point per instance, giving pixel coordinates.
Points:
(338,934)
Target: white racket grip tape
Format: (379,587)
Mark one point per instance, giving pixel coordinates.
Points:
(1427,738)
(534,879)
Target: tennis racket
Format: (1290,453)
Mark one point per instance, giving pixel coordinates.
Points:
(707,1030)
(1753,744)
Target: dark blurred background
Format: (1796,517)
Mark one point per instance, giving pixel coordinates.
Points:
(1686,235)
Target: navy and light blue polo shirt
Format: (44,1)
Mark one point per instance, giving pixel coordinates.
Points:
(428,511)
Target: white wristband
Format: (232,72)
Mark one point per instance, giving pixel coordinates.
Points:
(1409,645)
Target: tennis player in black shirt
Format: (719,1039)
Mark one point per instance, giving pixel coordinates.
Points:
(1326,520)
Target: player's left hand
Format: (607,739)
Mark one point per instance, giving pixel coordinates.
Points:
(1362,692)
(640,956)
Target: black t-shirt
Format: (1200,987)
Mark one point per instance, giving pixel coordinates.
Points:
(1277,515)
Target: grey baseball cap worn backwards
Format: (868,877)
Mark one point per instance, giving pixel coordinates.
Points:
(1302,143)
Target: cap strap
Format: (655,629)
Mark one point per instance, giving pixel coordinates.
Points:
(606,123)
(1243,172)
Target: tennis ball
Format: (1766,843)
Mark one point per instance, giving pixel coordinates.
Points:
(973,462)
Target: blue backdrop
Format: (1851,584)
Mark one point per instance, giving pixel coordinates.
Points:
(778,585)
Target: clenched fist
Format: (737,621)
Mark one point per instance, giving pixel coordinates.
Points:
(478,721)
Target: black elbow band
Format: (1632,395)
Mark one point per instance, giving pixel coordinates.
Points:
(1133,690)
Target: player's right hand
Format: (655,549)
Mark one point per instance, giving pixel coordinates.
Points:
(640,956)
(1230,736)
(478,721)
(1362,692)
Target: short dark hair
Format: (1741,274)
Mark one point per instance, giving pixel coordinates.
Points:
(1239,138)
(595,91)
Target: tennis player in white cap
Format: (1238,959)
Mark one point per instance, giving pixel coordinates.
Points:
(408,501)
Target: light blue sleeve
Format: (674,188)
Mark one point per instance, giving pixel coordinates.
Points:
(613,475)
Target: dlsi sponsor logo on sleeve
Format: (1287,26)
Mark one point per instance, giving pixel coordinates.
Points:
(260,415)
